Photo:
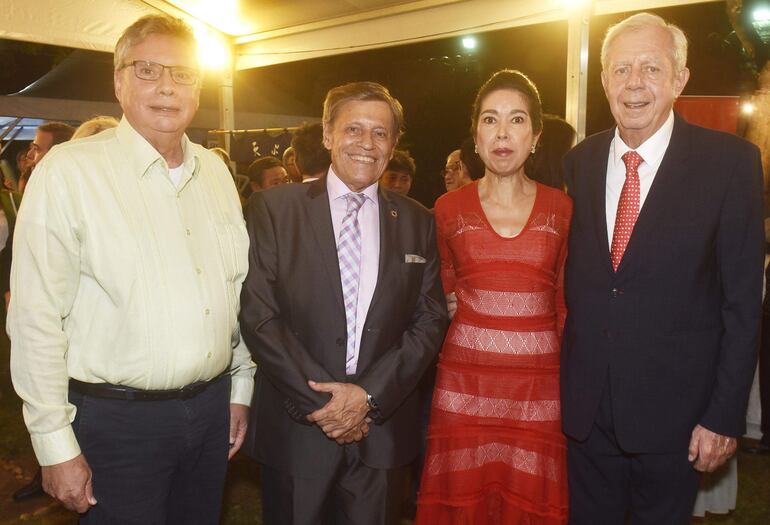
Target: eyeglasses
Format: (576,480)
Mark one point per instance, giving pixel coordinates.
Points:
(146,70)
(452,167)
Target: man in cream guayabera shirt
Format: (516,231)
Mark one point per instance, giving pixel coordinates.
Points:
(130,251)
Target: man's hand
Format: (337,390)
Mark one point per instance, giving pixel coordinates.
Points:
(70,483)
(357,434)
(345,410)
(451,304)
(239,421)
(710,450)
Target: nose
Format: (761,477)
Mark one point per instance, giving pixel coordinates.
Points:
(166,84)
(502,130)
(367,139)
(634,78)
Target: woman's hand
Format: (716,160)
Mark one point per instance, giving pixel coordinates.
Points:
(451,304)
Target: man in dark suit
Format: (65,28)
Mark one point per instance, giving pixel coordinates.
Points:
(663,287)
(343,312)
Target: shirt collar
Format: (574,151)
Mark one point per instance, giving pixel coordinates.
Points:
(652,149)
(337,189)
(143,156)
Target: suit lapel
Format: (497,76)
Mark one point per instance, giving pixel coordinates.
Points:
(662,195)
(388,244)
(598,171)
(320,219)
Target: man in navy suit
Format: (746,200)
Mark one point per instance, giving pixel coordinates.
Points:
(663,286)
(343,312)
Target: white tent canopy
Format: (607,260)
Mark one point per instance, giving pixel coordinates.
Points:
(265,32)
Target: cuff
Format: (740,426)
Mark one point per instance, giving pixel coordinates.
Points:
(241,389)
(55,447)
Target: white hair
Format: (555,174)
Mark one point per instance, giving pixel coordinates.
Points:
(641,21)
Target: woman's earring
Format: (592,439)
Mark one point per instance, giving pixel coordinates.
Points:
(534,145)
(475,148)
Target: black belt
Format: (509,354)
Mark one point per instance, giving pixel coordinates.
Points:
(126,393)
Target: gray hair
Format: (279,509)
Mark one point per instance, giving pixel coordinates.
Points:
(94,126)
(643,20)
(148,25)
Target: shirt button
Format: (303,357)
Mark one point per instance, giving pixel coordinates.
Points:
(198,271)
(187,231)
(207,311)
(208,355)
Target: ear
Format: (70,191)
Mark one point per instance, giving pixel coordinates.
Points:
(117,79)
(680,81)
(327,134)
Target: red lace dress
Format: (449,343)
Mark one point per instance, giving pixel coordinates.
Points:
(496,453)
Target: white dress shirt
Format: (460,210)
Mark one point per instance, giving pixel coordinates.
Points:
(651,151)
(369,221)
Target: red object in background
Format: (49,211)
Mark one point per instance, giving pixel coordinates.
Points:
(720,113)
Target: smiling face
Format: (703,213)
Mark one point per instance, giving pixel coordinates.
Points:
(641,82)
(361,140)
(159,110)
(504,135)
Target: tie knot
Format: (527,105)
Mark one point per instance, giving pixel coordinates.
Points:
(355,201)
(632,161)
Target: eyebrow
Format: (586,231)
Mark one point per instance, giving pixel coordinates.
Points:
(514,111)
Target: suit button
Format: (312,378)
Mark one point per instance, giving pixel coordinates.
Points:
(340,341)
(615,292)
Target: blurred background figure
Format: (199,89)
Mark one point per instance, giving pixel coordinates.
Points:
(311,157)
(265,173)
(47,136)
(456,174)
(399,174)
(471,160)
(94,126)
(290,163)
(557,139)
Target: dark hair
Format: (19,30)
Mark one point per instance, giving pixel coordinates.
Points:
(471,159)
(60,131)
(509,79)
(402,162)
(556,140)
(309,152)
(256,169)
(363,91)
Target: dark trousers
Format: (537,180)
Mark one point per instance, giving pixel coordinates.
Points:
(354,494)
(608,485)
(156,462)
(764,378)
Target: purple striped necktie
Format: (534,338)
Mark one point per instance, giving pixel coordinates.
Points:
(349,255)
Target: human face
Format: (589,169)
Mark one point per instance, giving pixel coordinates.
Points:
(361,140)
(39,147)
(456,173)
(274,177)
(291,169)
(641,82)
(504,135)
(159,110)
(397,181)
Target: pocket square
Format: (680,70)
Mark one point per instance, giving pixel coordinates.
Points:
(413,258)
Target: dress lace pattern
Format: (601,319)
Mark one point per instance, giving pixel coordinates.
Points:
(496,454)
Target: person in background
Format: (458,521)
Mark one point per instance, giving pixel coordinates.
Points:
(265,173)
(94,126)
(130,250)
(343,311)
(311,157)
(456,174)
(663,287)
(290,163)
(399,174)
(47,136)
(547,163)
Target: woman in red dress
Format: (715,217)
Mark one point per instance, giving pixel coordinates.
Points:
(496,453)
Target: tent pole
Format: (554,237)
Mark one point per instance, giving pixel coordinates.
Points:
(577,68)
(226,100)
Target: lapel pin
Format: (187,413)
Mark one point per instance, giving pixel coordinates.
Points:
(393,213)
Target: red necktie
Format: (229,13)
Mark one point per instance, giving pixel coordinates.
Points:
(628,207)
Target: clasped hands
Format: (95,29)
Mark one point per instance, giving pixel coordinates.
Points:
(343,418)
